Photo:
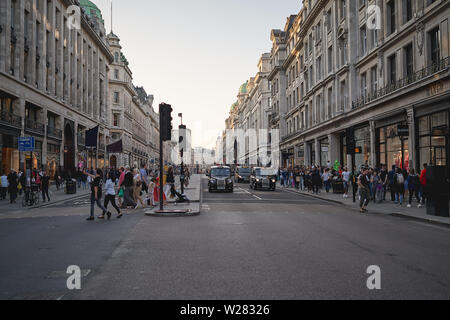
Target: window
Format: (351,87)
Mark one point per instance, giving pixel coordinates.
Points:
(392,69)
(116,97)
(319,32)
(319,68)
(116,57)
(363,39)
(363,85)
(116,74)
(408,60)
(329,21)
(330,102)
(434,46)
(343,96)
(116,120)
(407,11)
(391,16)
(330,59)
(343,9)
(374,38)
(374,79)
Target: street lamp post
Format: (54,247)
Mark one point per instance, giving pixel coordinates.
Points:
(180,141)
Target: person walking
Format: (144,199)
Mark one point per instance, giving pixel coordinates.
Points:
(110,194)
(391,176)
(316,180)
(377,186)
(12,189)
(346,181)
(4,186)
(128,183)
(137,189)
(326,179)
(96,195)
(423,185)
(364,191)
(413,187)
(45,183)
(399,187)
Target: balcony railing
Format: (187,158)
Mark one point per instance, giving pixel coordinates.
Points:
(443,64)
(35,126)
(11,119)
(54,133)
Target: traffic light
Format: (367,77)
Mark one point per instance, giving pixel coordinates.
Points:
(165,121)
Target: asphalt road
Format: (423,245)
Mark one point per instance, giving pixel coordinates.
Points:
(246,245)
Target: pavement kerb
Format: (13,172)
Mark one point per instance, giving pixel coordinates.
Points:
(42,205)
(175,215)
(420,219)
(393,214)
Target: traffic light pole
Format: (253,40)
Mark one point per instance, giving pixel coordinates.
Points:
(161,173)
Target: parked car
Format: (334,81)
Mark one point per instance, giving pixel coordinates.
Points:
(263,178)
(242,174)
(220,179)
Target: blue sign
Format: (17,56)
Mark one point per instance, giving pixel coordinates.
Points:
(26,144)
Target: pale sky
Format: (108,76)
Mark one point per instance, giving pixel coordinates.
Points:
(195,54)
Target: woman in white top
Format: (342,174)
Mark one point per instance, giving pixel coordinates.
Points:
(110,194)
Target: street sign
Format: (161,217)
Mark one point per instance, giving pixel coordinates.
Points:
(26,144)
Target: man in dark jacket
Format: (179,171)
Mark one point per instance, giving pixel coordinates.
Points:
(12,180)
(128,183)
(45,182)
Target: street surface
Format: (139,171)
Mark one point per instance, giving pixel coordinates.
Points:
(246,245)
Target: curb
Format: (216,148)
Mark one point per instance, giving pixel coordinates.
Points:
(173,215)
(56,202)
(393,214)
(430,221)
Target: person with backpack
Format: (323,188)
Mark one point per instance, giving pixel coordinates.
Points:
(413,182)
(399,187)
(96,195)
(364,190)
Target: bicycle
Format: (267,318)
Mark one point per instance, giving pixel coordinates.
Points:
(32,196)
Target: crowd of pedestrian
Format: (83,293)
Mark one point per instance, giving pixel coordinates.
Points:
(132,187)
(368,184)
(19,183)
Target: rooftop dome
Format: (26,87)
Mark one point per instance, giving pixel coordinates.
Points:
(91,9)
(243,88)
(233,106)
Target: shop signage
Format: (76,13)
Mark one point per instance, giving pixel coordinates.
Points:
(26,144)
(403,130)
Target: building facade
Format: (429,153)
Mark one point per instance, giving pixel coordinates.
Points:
(363,83)
(53,84)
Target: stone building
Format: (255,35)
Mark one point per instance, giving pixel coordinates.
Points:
(376,72)
(133,119)
(250,112)
(53,84)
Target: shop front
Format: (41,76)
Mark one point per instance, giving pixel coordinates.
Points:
(324,149)
(393,144)
(53,159)
(10,156)
(312,153)
(301,155)
(433,133)
(362,144)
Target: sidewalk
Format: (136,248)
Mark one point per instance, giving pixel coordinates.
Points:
(386,207)
(56,196)
(193,192)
